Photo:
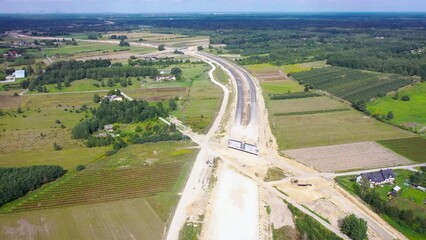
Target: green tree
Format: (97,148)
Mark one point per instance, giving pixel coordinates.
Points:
(200,48)
(96,98)
(80,168)
(110,83)
(365,186)
(306,88)
(354,227)
(39,88)
(31,86)
(405,98)
(177,72)
(57,147)
(172,104)
(59,85)
(162,47)
(389,116)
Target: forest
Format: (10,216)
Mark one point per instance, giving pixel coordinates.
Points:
(16,182)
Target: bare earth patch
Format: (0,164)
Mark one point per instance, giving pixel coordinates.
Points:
(345,157)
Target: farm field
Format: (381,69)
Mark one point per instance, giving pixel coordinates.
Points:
(364,155)
(411,148)
(324,121)
(330,129)
(409,198)
(132,192)
(109,220)
(288,69)
(304,105)
(411,114)
(352,85)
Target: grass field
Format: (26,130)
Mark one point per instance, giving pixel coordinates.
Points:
(90,48)
(288,69)
(87,85)
(406,113)
(351,84)
(409,198)
(411,148)
(281,87)
(27,138)
(203,101)
(221,76)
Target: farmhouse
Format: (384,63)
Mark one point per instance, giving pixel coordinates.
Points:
(19,74)
(12,54)
(165,78)
(109,128)
(378,178)
(115,98)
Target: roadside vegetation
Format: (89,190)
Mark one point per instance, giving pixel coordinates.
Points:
(308,227)
(274,174)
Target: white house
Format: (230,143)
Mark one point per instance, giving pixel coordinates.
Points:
(19,74)
(378,178)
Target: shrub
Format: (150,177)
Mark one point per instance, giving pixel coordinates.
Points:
(57,147)
(80,168)
(405,98)
(354,227)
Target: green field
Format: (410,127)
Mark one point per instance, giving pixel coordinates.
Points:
(409,198)
(281,87)
(27,138)
(350,84)
(411,113)
(220,75)
(327,128)
(411,148)
(288,69)
(118,219)
(304,104)
(88,85)
(200,107)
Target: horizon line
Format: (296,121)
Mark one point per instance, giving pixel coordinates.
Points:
(218,12)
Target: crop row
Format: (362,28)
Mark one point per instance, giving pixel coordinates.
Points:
(106,185)
(411,148)
(351,84)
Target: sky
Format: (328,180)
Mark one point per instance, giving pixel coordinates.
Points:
(175,6)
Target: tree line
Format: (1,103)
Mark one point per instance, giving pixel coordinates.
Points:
(68,71)
(16,182)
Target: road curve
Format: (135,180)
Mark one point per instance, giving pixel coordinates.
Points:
(241,78)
